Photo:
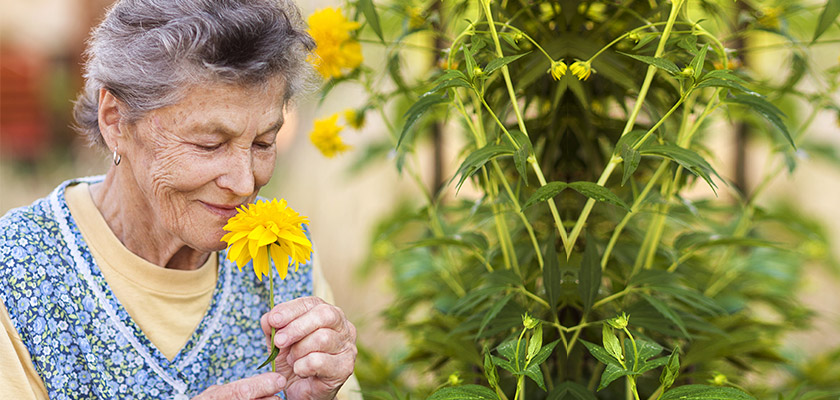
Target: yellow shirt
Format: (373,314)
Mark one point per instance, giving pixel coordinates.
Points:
(166,304)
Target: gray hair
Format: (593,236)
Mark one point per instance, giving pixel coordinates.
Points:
(148,52)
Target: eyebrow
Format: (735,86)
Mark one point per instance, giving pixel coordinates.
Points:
(220,128)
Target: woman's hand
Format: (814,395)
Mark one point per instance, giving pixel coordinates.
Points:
(260,387)
(317,347)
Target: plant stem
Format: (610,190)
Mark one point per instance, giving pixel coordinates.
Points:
(631,121)
(271,307)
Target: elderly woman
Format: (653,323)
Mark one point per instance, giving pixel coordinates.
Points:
(118,287)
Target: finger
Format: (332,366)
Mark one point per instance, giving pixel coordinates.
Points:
(286,312)
(323,340)
(321,316)
(249,388)
(332,369)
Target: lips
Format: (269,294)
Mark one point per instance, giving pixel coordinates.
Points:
(223,210)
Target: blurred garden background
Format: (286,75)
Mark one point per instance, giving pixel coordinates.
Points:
(41,44)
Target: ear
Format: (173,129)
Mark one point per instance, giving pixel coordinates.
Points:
(110,118)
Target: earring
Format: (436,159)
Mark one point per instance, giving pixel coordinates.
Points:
(117,157)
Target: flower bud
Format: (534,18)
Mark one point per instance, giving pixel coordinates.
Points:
(558,69)
(581,69)
(528,321)
(619,321)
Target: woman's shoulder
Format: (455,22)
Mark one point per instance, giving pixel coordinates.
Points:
(28,220)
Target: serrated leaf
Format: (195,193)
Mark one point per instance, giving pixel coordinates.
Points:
(628,139)
(667,312)
(698,61)
(828,16)
(657,62)
(611,343)
(457,82)
(490,369)
(690,160)
(508,348)
(647,349)
(643,41)
(417,110)
(535,344)
(767,110)
(590,274)
(372,17)
(571,391)
(497,63)
(504,364)
(493,312)
(478,158)
(598,193)
(725,74)
(611,373)
(600,353)
(715,82)
(705,392)
(470,61)
(552,280)
(536,375)
(544,352)
(645,366)
(631,159)
(544,193)
(671,370)
(464,392)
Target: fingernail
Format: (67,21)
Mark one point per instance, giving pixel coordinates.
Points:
(275,319)
(280,340)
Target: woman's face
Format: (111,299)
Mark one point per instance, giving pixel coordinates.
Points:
(196,161)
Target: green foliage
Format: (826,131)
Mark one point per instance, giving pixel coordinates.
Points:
(660,281)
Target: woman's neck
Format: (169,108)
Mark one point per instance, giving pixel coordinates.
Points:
(136,225)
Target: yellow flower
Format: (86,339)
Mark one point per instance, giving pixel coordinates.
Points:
(416,19)
(770,17)
(335,50)
(267,229)
(558,69)
(325,137)
(356,119)
(581,70)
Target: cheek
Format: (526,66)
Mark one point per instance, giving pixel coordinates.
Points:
(264,167)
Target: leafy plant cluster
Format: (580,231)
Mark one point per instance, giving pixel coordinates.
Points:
(587,261)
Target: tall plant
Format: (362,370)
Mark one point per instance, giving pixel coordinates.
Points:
(587,262)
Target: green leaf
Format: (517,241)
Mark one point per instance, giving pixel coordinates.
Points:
(705,392)
(589,275)
(698,61)
(598,193)
(470,61)
(645,366)
(520,157)
(647,349)
(628,139)
(611,343)
(535,344)
(715,82)
(457,82)
(671,370)
(644,40)
(657,62)
(667,312)
(690,160)
(372,17)
(465,392)
(274,352)
(571,391)
(725,74)
(536,375)
(767,110)
(631,158)
(490,369)
(600,353)
(497,63)
(611,373)
(416,111)
(544,352)
(827,17)
(478,158)
(493,312)
(544,193)
(552,280)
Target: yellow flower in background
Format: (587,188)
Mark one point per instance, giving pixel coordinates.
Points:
(770,17)
(335,51)
(581,70)
(325,137)
(558,69)
(267,230)
(356,119)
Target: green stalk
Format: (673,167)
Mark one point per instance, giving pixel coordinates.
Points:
(271,307)
(631,121)
(521,122)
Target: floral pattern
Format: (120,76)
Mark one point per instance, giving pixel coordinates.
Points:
(82,341)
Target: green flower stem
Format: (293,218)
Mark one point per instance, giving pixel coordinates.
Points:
(271,307)
(634,209)
(612,297)
(534,297)
(521,121)
(631,121)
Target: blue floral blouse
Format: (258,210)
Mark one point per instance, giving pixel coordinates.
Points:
(82,341)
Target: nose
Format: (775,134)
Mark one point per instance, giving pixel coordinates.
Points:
(238,176)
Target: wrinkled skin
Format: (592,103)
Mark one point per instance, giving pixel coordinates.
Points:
(184,169)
